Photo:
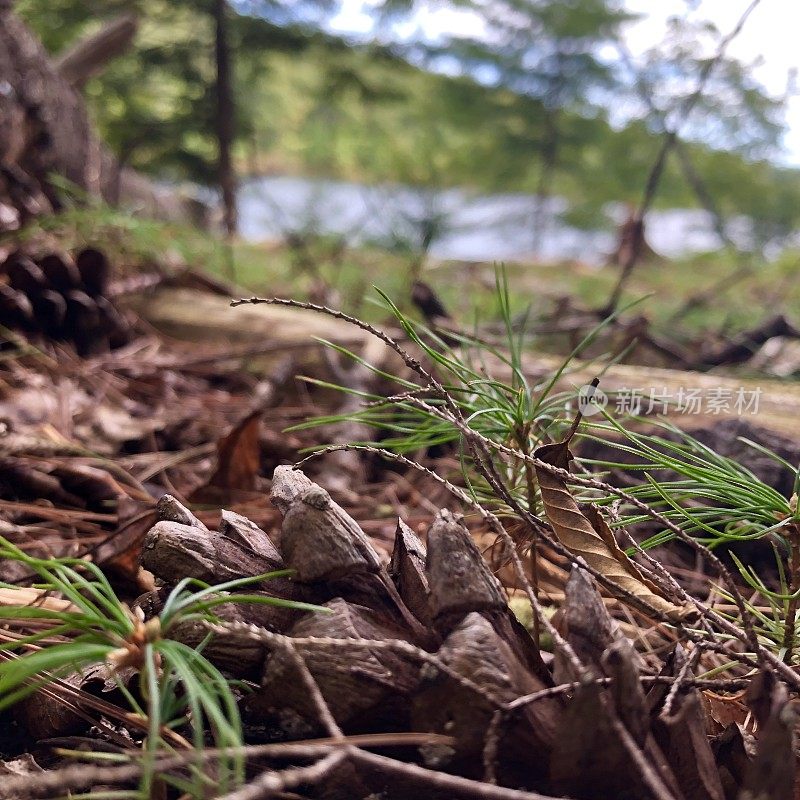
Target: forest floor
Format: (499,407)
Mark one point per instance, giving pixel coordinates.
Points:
(452,697)
(737,289)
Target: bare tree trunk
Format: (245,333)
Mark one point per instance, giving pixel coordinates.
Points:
(225,122)
(550,152)
(632,256)
(544,188)
(670,139)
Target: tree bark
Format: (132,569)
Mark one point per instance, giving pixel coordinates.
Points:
(45,129)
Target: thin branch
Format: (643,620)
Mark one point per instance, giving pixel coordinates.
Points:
(668,142)
(452,784)
(80,775)
(271,782)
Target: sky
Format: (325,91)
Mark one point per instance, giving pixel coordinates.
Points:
(769,39)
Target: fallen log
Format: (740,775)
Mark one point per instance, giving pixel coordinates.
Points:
(201,316)
(195,316)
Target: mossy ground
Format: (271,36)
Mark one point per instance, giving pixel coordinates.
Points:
(135,242)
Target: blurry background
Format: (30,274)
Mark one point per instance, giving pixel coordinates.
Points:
(527,131)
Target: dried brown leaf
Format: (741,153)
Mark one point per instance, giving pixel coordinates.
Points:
(578,535)
(121,552)
(723,710)
(239,455)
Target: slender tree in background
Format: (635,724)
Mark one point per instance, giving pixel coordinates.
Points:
(676,118)
(549,51)
(225,117)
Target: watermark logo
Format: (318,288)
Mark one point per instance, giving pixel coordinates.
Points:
(713,400)
(591,400)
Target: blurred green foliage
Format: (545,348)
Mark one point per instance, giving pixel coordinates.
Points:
(310,103)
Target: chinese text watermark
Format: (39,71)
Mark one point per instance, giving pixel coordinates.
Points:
(638,402)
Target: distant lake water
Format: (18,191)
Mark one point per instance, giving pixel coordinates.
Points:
(469,227)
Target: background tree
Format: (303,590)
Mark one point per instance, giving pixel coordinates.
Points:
(550,52)
(225,116)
